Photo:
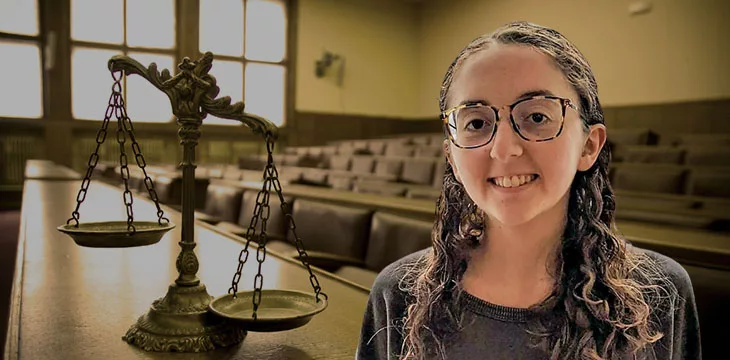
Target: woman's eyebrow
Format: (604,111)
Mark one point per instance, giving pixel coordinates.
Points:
(473,102)
(526,94)
(531,93)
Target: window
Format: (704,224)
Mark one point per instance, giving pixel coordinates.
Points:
(21,92)
(143,30)
(248,39)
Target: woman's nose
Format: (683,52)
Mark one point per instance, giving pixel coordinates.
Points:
(506,143)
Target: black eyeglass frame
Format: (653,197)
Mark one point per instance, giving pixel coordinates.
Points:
(564,102)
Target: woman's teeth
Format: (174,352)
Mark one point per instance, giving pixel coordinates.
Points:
(513,181)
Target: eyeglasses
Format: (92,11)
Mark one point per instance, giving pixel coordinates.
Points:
(538,118)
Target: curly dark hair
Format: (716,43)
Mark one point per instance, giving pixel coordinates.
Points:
(602,303)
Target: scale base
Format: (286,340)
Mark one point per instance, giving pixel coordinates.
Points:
(181,322)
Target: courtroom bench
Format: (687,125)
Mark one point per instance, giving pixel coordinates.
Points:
(693,244)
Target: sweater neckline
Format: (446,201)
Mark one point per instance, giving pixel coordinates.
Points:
(494,311)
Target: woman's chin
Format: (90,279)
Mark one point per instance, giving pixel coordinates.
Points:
(511,216)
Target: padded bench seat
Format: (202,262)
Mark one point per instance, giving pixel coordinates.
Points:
(670,179)
(328,228)
(653,154)
(391,238)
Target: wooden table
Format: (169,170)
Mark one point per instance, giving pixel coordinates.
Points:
(71,302)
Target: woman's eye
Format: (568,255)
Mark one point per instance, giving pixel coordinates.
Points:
(538,118)
(475,124)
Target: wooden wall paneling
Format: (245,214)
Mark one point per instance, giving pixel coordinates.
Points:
(421,126)
(245,148)
(670,120)
(610,117)
(312,129)
(15,150)
(218,152)
(57,137)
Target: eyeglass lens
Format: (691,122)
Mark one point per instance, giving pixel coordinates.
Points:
(536,119)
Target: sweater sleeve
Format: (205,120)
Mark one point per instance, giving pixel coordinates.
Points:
(380,337)
(373,334)
(381,333)
(686,334)
(680,324)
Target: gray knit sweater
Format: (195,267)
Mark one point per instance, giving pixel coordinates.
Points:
(496,332)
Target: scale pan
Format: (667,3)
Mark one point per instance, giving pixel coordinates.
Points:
(114,234)
(279,309)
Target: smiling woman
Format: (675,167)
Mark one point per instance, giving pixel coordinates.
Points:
(525,263)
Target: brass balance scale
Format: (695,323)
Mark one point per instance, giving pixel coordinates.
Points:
(187,318)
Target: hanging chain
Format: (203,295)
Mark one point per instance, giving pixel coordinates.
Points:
(303,257)
(262,212)
(117,108)
(149,185)
(94,158)
(124,170)
(262,203)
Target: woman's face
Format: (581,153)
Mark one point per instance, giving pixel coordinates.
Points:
(499,76)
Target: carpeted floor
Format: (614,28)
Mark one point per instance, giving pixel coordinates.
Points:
(9,229)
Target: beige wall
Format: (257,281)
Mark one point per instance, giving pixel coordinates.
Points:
(379,40)
(675,53)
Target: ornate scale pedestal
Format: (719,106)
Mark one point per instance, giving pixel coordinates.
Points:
(187,318)
(181,321)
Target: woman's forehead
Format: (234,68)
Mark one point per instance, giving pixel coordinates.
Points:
(501,74)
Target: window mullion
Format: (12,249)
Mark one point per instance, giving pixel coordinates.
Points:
(290,60)
(55,19)
(124,23)
(54,25)
(49,59)
(243,62)
(187,26)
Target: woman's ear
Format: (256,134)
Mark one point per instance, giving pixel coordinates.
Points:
(592,147)
(450,159)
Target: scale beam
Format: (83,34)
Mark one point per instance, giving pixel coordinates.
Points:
(192,92)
